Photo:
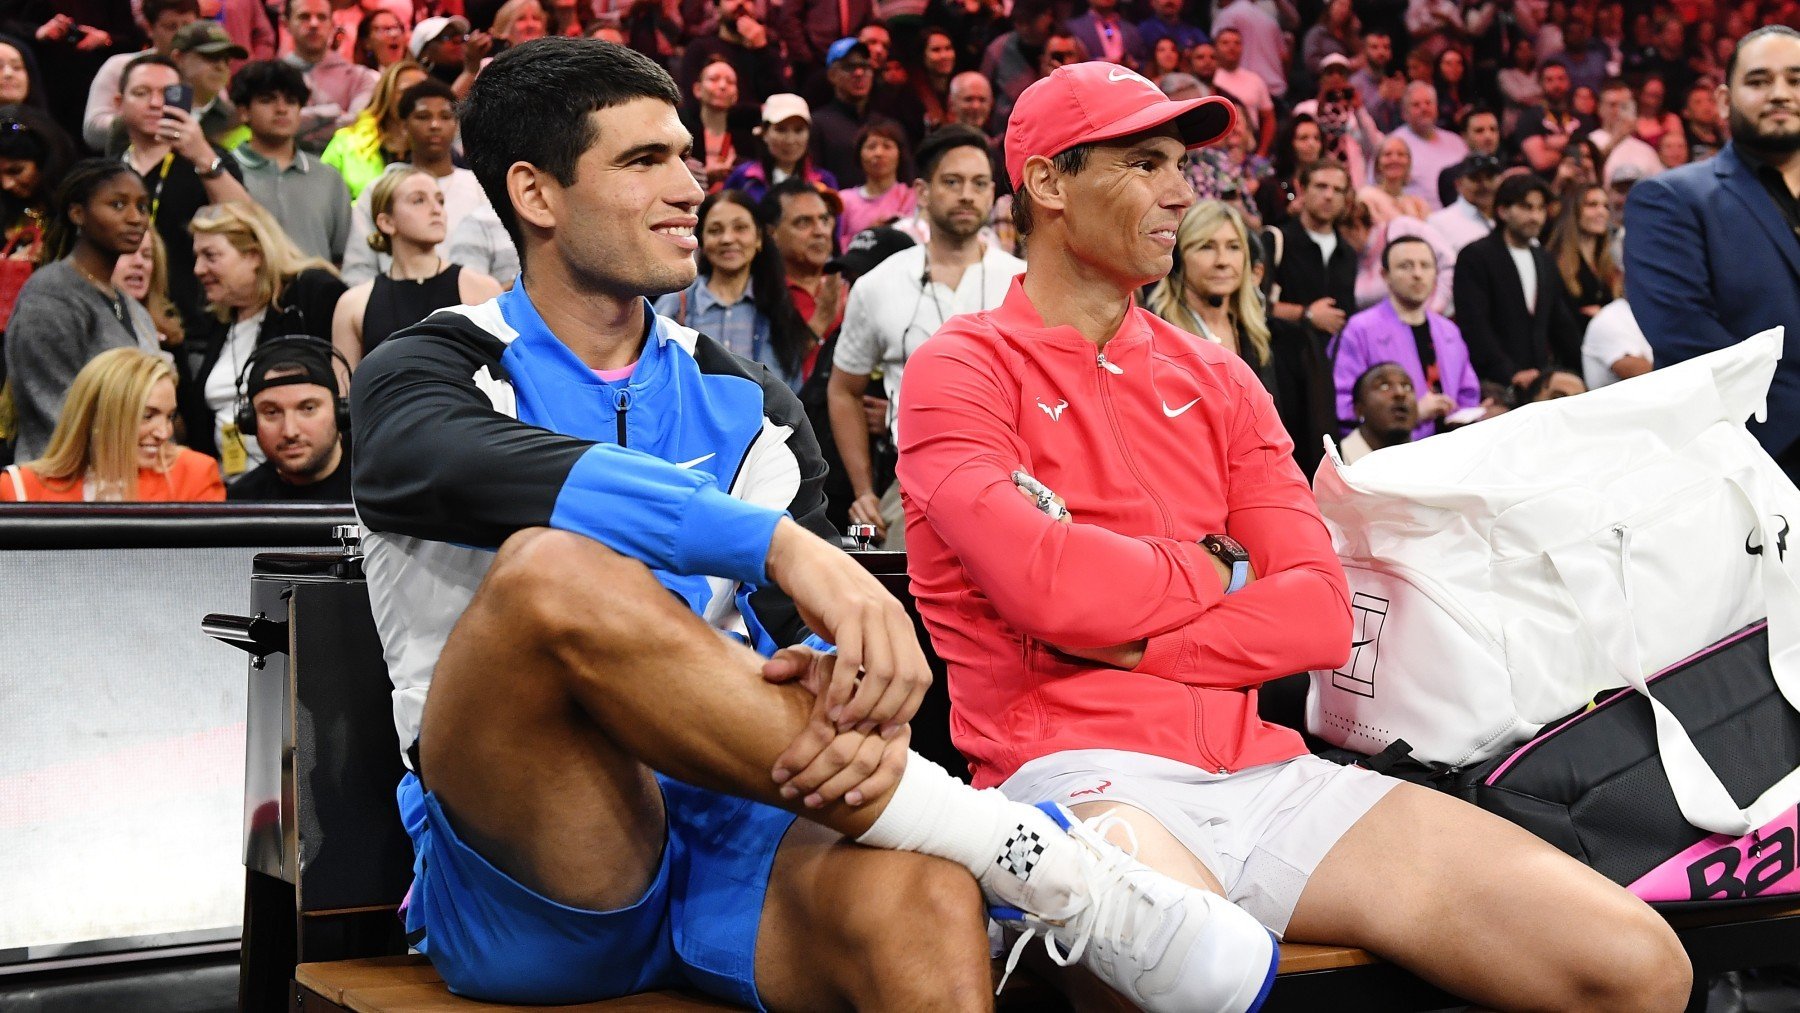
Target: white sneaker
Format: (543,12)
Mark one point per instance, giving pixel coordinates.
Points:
(1167,947)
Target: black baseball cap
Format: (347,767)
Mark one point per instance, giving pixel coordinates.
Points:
(869,248)
(1480,163)
(293,362)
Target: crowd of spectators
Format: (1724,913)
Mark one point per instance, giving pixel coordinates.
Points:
(1419,215)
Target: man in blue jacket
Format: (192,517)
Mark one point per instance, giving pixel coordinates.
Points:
(1713,248)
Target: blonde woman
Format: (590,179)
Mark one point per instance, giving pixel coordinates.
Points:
(258,286)
(1214,290)
(408,209)
(144,276)
(1386,196)
(114,441)
(361,151)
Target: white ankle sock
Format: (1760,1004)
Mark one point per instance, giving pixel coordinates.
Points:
(998,840)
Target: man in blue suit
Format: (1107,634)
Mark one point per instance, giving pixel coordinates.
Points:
(1712,250)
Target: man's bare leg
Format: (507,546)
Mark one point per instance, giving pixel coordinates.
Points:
(1480,907)
(569,648)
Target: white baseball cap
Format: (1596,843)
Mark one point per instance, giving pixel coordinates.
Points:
(785,106)
(429,30)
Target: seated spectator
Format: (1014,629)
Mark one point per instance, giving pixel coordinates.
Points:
(836,123)
(1471,215)
(1015,60)
(1392,195)
(723,129)
(972,103)
(1165,22)
(810,28)
(800,221)
(1672,149)
(930,74)
(903,300)
(1544,131)
(1244,84)
(340,89)
(1348,131)
(1379,84)
(740,298)
(786,134)
(1519,81)
(438,44)
(165,18)
(69,310)
(204,53)
(296,411)
(428,118)
(114,442)
(1580,244)
(883,196)
(1480,130)
(1614,347)
(1509,295)
(1700,121)
(1618,145)
(1229,170)
(1372,288)
(181,171)
(1107,36)
(1263,41)
(1214,290)
(307,196)
(144,275)
(1402,329)
(361,151)
(1386,411)
(34,155)
(1334,34)
(1166,58)
(1655,120)
(743,42)
(380,40)
(408,211)
(1455,95)
(1585,55)
(1552,384)
(1433,148)
(1301,144)
(258,286)
(480,244)
(1312,268)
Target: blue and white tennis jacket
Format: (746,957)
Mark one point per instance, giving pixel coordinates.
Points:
(477,422)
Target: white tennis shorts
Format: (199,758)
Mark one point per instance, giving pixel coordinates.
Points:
(1261,831)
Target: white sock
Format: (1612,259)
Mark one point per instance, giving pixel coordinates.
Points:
(1000,841)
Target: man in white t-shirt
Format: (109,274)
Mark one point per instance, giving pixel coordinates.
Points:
(1618,147)
(1245,85)
(895,307)
(1433,149)
(428,114)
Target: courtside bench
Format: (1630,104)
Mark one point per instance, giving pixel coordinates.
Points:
(327,861)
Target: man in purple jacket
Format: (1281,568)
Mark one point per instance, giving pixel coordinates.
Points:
(1400,329)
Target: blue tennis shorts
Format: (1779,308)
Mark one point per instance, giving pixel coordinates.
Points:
(489,937)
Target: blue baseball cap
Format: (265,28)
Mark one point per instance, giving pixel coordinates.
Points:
(845,47)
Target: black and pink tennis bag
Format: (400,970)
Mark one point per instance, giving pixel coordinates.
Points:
(1593,785)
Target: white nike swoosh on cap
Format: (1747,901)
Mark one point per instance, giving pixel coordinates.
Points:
(697,460)
(1119,75)
(1174,412)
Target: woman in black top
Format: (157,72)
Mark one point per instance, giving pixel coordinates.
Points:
(1300,144)
(408,209)
(1578,245)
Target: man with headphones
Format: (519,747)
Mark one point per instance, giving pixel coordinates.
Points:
(906,298)
(288,395)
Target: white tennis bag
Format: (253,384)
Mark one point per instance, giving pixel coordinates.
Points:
(1503,574)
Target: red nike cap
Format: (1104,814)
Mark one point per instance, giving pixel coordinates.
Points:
(1098,101)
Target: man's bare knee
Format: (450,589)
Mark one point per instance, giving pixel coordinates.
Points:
(1636,963)
(923,937)
(542,577)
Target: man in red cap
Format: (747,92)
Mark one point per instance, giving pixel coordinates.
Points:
(1105,645)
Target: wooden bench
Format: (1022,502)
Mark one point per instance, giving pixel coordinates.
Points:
(327,860)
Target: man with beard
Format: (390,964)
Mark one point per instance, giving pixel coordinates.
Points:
(1386,411)
(293,396)
(905,299)
(1712,247)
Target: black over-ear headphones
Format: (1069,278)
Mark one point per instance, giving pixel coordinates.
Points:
(246,414)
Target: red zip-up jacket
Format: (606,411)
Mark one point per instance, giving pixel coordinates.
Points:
(1154,443)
